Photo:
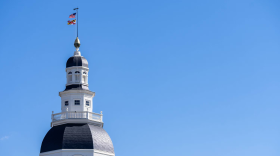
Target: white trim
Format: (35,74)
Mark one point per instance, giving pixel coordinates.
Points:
(65,121)
(84,84)
(76,151)
(77,91)
(102,152)
(75,67)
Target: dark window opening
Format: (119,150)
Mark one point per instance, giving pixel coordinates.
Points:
(77,102)
(66,103)
(77,72)
(70,73)
(87,103)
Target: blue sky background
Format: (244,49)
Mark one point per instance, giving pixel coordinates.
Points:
(184,78)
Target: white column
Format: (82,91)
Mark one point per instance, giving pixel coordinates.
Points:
(73,76)
(81,76)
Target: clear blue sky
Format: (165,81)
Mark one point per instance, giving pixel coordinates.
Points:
(182,78)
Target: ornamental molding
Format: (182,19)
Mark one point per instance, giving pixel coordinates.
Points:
(76,152)
(76,67)
(77,91)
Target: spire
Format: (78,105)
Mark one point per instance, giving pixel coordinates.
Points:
(77,44)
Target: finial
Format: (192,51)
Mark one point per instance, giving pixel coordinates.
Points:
(101,112)
(77,44)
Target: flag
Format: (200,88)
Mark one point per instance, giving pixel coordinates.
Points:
(72,22)
(69,22)
(72,15)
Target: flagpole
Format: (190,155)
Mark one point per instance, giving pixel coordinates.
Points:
(77,20)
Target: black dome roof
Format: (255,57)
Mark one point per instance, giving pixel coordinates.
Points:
(77,61)
(76,87)
(77,136)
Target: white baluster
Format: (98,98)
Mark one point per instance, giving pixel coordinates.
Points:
(52,116)
(66,113)
(101,116)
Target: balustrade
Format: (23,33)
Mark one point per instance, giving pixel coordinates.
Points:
(77,115)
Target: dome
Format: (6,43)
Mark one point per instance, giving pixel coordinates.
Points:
(77,136)
(77,61)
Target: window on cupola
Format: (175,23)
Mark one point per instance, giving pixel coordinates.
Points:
(77,76)
(84,77)
(87,103)
(77,102)
(66,103)
(69,77)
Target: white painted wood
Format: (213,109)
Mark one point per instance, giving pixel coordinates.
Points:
(79,75)
(77,113)
(76,152)
(72,95)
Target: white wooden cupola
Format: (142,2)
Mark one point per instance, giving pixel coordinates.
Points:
(76,96)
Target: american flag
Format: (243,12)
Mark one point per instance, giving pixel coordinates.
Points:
(72,15)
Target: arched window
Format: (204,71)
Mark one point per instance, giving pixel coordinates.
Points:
(69,77)
(84,77)
(77,76)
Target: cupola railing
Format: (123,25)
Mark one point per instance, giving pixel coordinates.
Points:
(77,115)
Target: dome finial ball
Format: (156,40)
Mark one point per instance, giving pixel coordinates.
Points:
(77,43)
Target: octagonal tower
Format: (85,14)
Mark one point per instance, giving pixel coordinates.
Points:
(77,131)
